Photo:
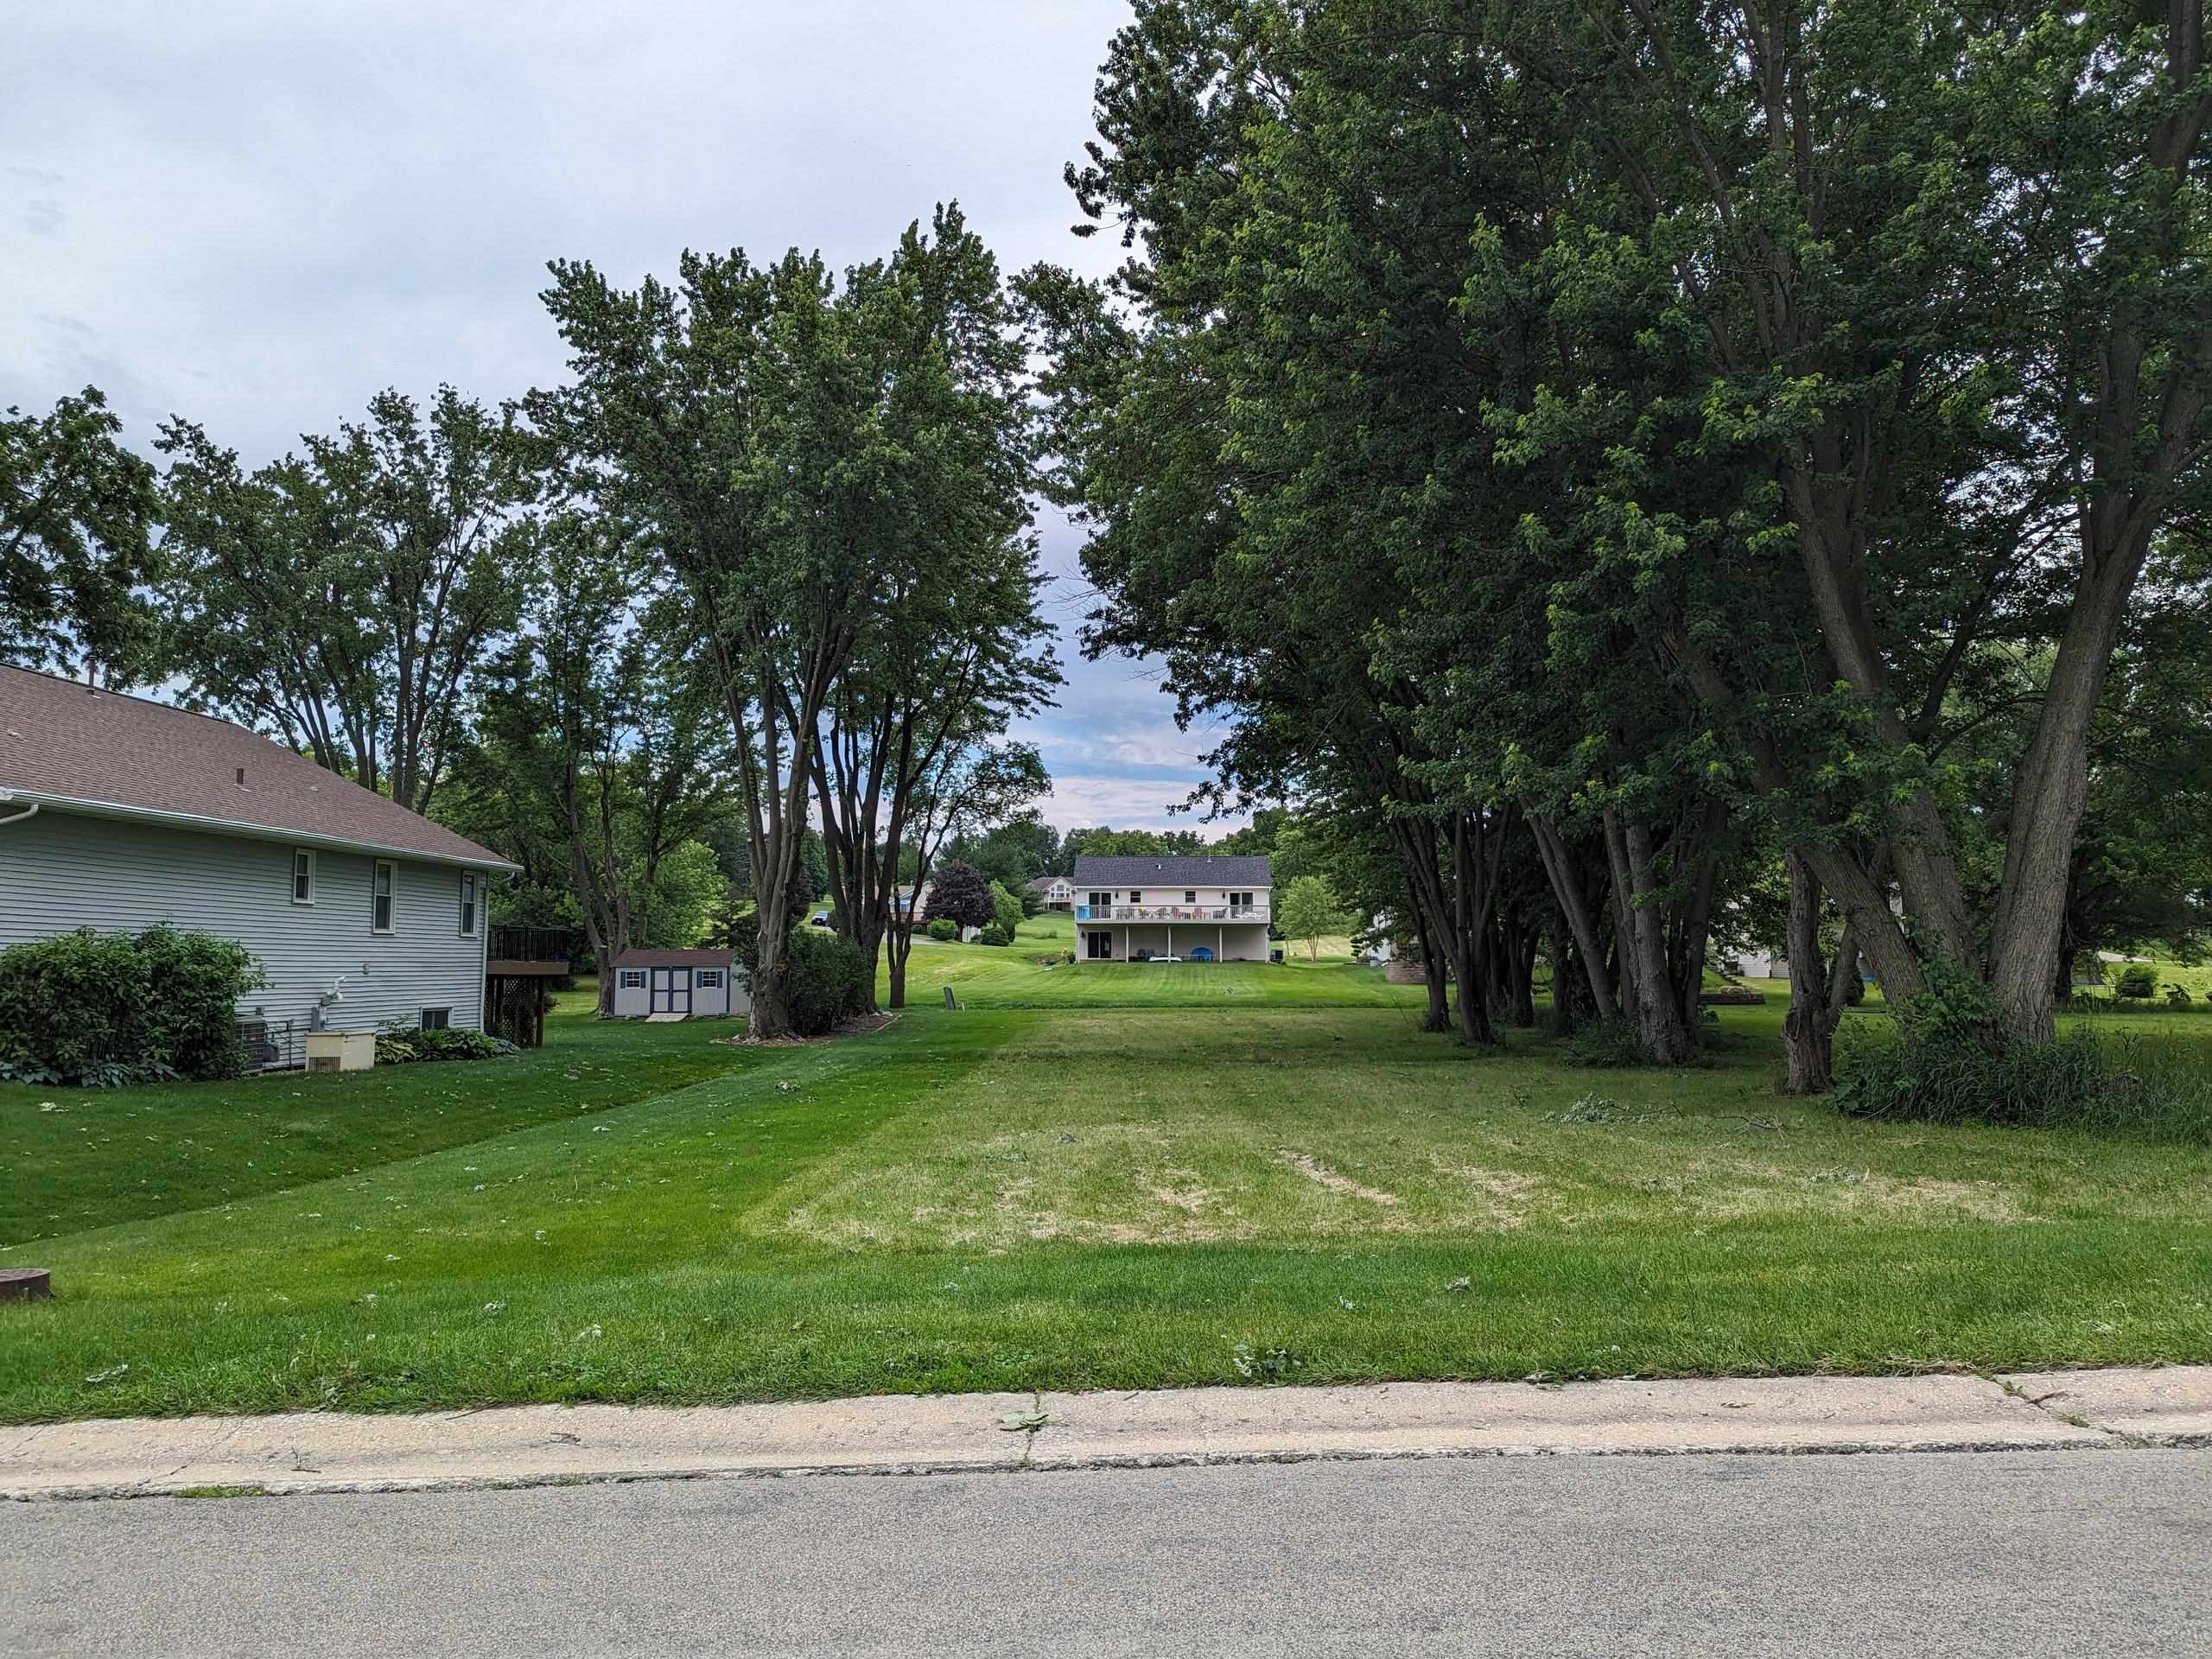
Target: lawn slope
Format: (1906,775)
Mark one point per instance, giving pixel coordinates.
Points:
(1130,1198)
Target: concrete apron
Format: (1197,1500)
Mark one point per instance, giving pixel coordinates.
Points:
(524,1445)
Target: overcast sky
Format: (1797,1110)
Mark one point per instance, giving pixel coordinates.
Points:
(258,212)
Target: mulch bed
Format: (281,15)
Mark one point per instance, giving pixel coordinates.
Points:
(866,1026)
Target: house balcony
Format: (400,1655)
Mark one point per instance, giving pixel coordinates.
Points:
(1171,912)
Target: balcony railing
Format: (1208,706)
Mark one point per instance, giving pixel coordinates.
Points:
(512,941)
(1171,912)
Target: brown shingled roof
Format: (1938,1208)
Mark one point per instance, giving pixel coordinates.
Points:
(676,959)
(71,747)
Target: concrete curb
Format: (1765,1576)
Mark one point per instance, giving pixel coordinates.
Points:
(1001,1433)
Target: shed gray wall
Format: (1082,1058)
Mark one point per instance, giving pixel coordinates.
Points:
(59,872)
(636,1002)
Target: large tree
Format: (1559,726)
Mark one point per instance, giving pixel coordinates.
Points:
(75,510)
(797,447)
(600,732)
(346,598)
(1636,416)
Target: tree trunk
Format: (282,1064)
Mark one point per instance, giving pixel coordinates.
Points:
(1575,908)
(1520,964)
(898,977)
(1471,919)
(1639,926)
(1438,1017)
(1808,1029)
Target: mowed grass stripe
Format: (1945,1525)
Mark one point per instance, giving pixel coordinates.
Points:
(1118,1199)
(84,1157)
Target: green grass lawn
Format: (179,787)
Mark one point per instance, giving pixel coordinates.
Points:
(1012,976)
(1072,1196)
(80,1158)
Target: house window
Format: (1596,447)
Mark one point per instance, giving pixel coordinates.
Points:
(1136,898)
(710,979)
(1240,900)
(469,904)
(382,877)
(633,979)
(1190,896)
(1102,901)
(302,875)
(437,1019)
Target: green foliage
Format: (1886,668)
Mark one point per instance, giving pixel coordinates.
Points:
(349,597)
(2121,1085)
(1602,1044)
(2177,996)
(1006,909)
(75,508)
(2137,981)
(993,934)
(404,1045)
(108,1008)
(944,930)
(960,893)
(1309,910)
(828,981)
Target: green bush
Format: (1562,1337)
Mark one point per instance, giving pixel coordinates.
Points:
(828,984)
(1602,1043)
(2177,996)
(403,1045)
(993,934)
(944,930)
(112,1008)
(2118,1085)
(2138,981)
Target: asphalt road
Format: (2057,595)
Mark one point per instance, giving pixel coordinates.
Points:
(2013,1554)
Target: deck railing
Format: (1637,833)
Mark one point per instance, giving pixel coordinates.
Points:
(512,941)
(1171,912)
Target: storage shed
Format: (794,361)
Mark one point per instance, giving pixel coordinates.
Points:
(678,985)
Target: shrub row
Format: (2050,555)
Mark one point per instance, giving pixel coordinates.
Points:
(404,1046)
(106,1009)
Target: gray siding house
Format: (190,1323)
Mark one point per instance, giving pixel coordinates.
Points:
(117,812)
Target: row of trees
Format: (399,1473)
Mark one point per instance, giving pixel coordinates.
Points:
(766,555)
(1599,454)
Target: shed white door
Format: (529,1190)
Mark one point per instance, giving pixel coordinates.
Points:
(671,990)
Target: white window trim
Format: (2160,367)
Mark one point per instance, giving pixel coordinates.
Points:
(299,853)
(706,983)
(392,923)
(424,1018)
(469,904)
(630,979)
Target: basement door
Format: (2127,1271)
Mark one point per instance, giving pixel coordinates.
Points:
(672,991)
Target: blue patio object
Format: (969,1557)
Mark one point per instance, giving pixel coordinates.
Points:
(1201,954)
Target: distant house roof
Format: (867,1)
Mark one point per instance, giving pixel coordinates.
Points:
(1043,883)
(676,959)
(67,746)
(1172,871)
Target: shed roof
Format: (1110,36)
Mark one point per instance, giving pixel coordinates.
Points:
(676,959)
(75,748)
(1177,870)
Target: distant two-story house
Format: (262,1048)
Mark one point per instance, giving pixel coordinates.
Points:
(1201,909)
(118,812)
(1053,892)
